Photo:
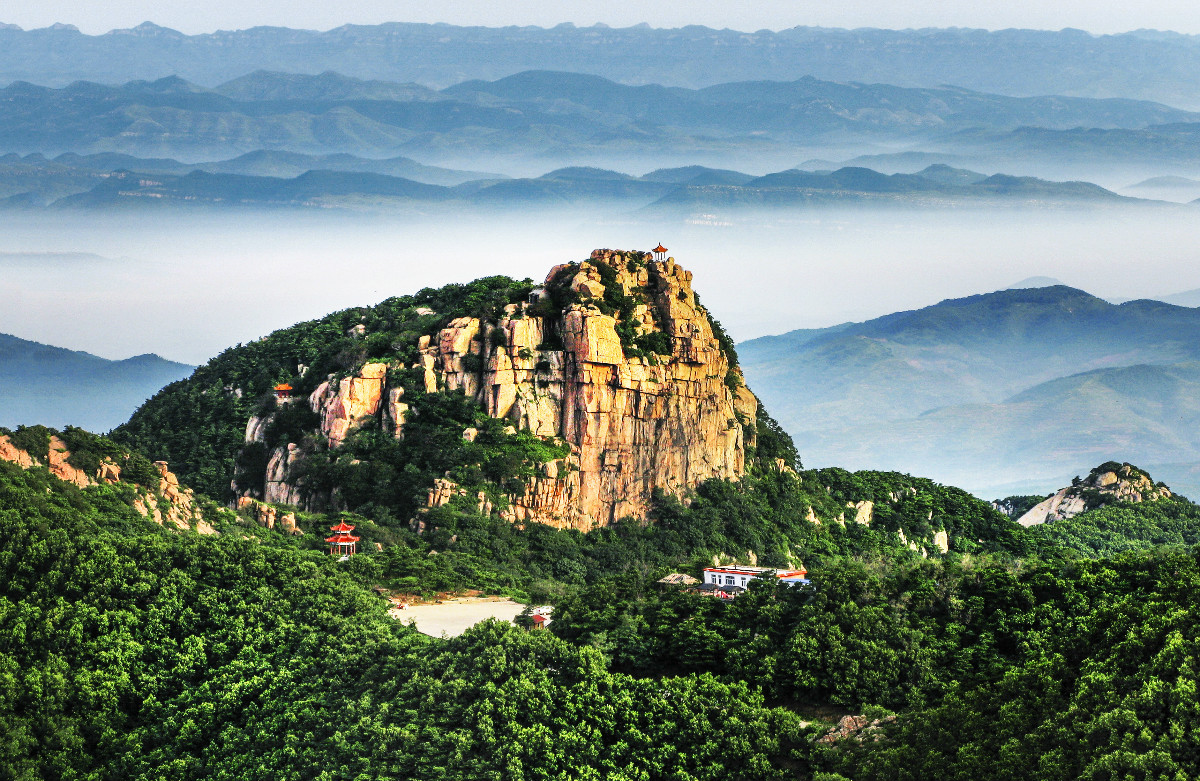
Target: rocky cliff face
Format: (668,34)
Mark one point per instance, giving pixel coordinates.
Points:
(167,503)
(614,356)
(1107,483)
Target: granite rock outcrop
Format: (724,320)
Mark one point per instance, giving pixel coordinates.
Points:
(1110,482)
(166,503)
(645,397)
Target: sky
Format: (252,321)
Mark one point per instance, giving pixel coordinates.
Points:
(1098,16)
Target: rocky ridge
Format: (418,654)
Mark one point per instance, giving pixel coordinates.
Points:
(167,503)
(1107,483)
(613,356)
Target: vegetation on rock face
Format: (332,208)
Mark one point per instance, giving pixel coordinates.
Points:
(86,452)
(198,424)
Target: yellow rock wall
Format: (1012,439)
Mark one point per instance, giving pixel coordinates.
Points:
(634,424)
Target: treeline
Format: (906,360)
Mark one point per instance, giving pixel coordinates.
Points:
(766,516)
(1117,528)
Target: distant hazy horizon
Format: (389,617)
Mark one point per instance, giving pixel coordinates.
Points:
(1100,18)
(186,287)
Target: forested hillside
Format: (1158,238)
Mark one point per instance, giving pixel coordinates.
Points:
(936,637)
(128,651)
(154,654)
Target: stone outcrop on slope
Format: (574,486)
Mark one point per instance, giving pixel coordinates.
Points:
(634,423)
(170,503)
(268,517)
(1107,483)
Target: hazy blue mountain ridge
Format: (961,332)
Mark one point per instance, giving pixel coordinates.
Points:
(1019,386)
(529,114)
(1141,64)
(54,386)
(666,193)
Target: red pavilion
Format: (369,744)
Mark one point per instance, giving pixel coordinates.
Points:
(342,541)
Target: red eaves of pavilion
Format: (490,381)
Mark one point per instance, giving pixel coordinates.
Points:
(660,248)
(342,527)
(342,538)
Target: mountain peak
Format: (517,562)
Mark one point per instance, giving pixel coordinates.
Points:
(603,385)
(1030,282)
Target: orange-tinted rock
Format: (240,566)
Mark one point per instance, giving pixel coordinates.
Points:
(61,467)
(10,452)
(353,400)
(634,424)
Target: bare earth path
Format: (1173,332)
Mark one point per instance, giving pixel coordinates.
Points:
(454,618)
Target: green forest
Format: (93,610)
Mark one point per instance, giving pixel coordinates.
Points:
(1065,652)
(936,637)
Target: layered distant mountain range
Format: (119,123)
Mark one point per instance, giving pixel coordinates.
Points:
(547,116)
(1142,64)
(56,387)
(1008,392)
(106,181)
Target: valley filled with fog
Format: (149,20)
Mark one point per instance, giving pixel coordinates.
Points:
(186,286)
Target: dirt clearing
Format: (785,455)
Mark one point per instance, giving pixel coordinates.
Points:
(452,618)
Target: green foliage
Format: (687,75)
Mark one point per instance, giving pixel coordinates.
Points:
(771,442)
(1098,683)
(127,651)
(34,440)
(722,337)
(1119,528)
(654,342)
(198,424)
(388,479)
(1016,506)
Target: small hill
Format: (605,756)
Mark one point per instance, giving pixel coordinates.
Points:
(1034,282)
(1116,509)
(263,85)
(1108,483)
(57,387)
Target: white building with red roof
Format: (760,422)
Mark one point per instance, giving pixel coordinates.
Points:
(740,575)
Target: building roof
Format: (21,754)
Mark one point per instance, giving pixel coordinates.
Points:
(283,386)
(342,527)
(738,569)
(660,248)
(678,579)
(342,538)
(720,587)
